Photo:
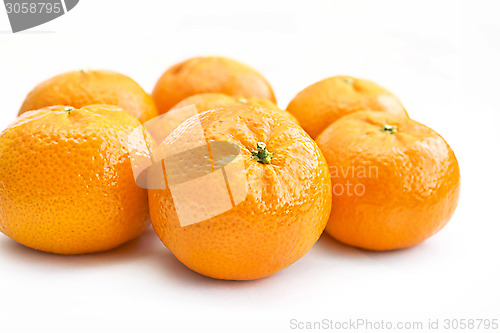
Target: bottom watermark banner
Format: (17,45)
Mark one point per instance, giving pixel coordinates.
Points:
(382,325)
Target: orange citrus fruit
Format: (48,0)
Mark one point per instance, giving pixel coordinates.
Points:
(66,183)
(323,102)
(209,75)
(82,88)
(395,182)
(208,101)
(278,204)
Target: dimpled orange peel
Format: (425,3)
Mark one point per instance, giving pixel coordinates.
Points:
(66,182)
(209,75)
(323,102)
(395,182)
(87,87)
(208,101)
(271,222)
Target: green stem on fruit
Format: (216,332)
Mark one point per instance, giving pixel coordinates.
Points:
(261,155)
(391,129)
(68,109)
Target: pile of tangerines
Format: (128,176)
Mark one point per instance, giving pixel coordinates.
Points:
(343,157)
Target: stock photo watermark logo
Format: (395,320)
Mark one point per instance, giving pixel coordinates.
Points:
(26,14)
(204,178)
(350,180)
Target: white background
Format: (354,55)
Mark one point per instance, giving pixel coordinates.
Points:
(439,57)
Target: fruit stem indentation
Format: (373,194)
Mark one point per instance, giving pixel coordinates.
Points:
(261,155)
(391,129)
